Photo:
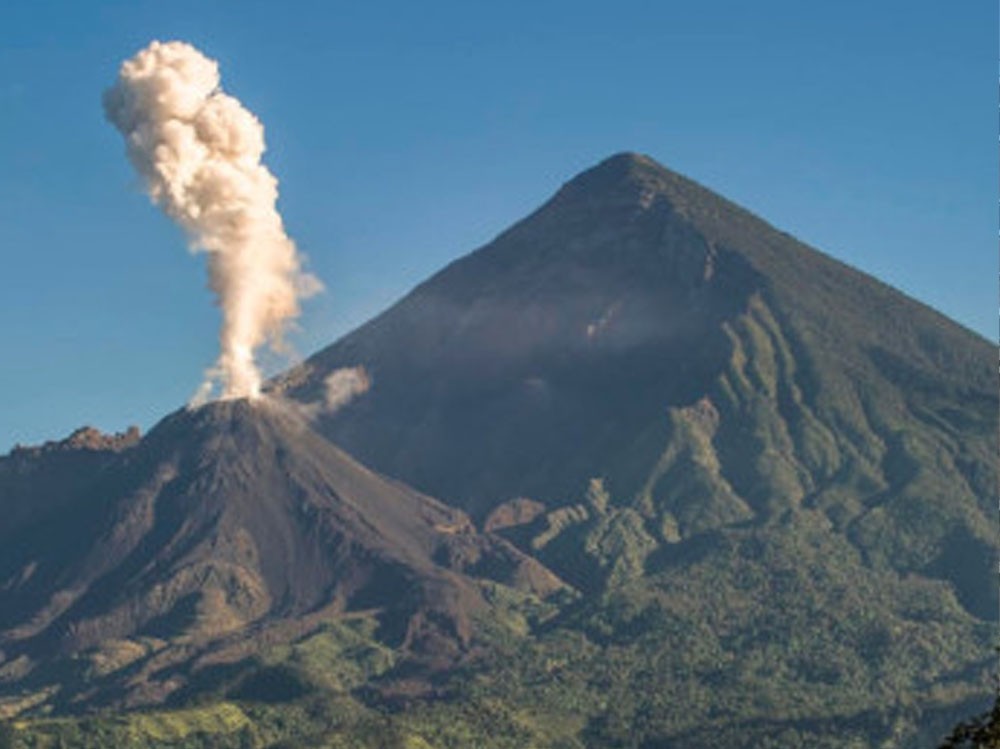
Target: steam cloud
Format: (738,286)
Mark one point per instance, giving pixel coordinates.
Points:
(344,385)
(198,150)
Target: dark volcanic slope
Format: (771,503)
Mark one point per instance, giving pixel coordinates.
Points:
(640,328)
(545,357)
(789,459)
(226,523)
(519,369)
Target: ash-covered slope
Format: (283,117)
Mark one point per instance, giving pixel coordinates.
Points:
(226,527)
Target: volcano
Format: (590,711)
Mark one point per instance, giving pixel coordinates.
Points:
(749,403)
(706,366)
(226,527)
(644,471)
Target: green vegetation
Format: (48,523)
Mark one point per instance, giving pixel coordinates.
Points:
(759,637)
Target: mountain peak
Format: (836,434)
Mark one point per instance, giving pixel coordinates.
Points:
(634,180)
(228,415)
(627,175)
(624,166)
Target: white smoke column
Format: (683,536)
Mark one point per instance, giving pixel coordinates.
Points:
(198,150)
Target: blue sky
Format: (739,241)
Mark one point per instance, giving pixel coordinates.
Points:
(406,134)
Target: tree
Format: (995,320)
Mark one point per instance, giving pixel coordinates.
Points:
(981,732)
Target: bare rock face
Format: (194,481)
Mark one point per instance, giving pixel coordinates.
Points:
(89,438)
(85,438)
(516,512)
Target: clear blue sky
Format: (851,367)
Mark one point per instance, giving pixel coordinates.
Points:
(406,134)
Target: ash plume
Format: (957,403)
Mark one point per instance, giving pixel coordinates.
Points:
(199,152)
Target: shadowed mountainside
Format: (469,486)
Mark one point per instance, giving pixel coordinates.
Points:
(708,367)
